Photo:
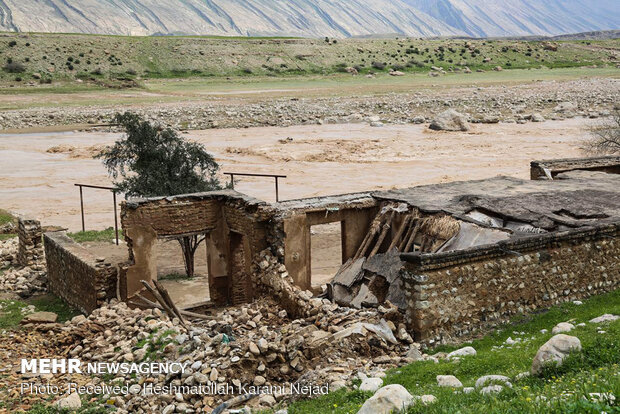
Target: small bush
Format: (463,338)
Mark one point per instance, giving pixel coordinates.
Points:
(14,67)
(12,43)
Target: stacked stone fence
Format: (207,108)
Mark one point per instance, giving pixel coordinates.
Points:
(30,248)
(77,276)
(455,294)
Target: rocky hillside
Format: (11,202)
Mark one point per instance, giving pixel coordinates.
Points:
(309,18)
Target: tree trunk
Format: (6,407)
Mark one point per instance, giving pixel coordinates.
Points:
(189,244)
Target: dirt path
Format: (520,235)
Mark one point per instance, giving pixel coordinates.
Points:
(39,170)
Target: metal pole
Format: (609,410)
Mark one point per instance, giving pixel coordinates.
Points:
(232,181)
(82,208)
(115,218)
(277,189)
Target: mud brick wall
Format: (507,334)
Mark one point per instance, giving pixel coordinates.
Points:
(169,218)
(75,275)
(248,237)
(221,215)
(457,293)
(30,242)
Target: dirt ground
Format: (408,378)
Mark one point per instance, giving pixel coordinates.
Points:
(39,169)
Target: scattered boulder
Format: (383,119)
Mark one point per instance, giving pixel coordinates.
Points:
(40,317)
(536,117)
(414,353)
(562,327)
(449,381)
(371,384)
(450,120)
(397,73)
(390,398)
(466,351)
(605,318)
(491,389)
(70,402)
(426,399)
(565,107)
(555,350)
(482,381)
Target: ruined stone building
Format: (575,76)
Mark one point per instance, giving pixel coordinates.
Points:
(453,257)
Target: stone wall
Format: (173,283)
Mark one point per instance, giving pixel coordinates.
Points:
(30,248)
(456,293)
(77,276)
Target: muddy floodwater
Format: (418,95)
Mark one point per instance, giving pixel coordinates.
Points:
(39,170)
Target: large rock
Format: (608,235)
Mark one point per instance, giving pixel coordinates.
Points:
(467,351)
(390,398)
(40,317)
(562,327)
(484,380)
(491,389)
(565,107)
(450,120)
(604,318)
(371,384)
(555,350)
(70,402)
(448,381)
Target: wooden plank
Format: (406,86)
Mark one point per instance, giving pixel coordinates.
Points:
(404,225)
(384,231)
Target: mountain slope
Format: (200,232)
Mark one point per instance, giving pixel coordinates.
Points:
(482,18)
(312,18)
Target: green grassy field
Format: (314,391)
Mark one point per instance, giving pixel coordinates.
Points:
(6,217)
(118,61)
(559,390)
(11,311)
(107,235)
(257,88)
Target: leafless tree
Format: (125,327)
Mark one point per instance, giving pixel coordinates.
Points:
(605,137)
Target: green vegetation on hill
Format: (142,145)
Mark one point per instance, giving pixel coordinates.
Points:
(117,61)
(566,389)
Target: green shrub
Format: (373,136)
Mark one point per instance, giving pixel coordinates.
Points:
(14,67)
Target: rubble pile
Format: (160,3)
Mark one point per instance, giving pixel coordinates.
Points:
(286,337)
(21,280)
